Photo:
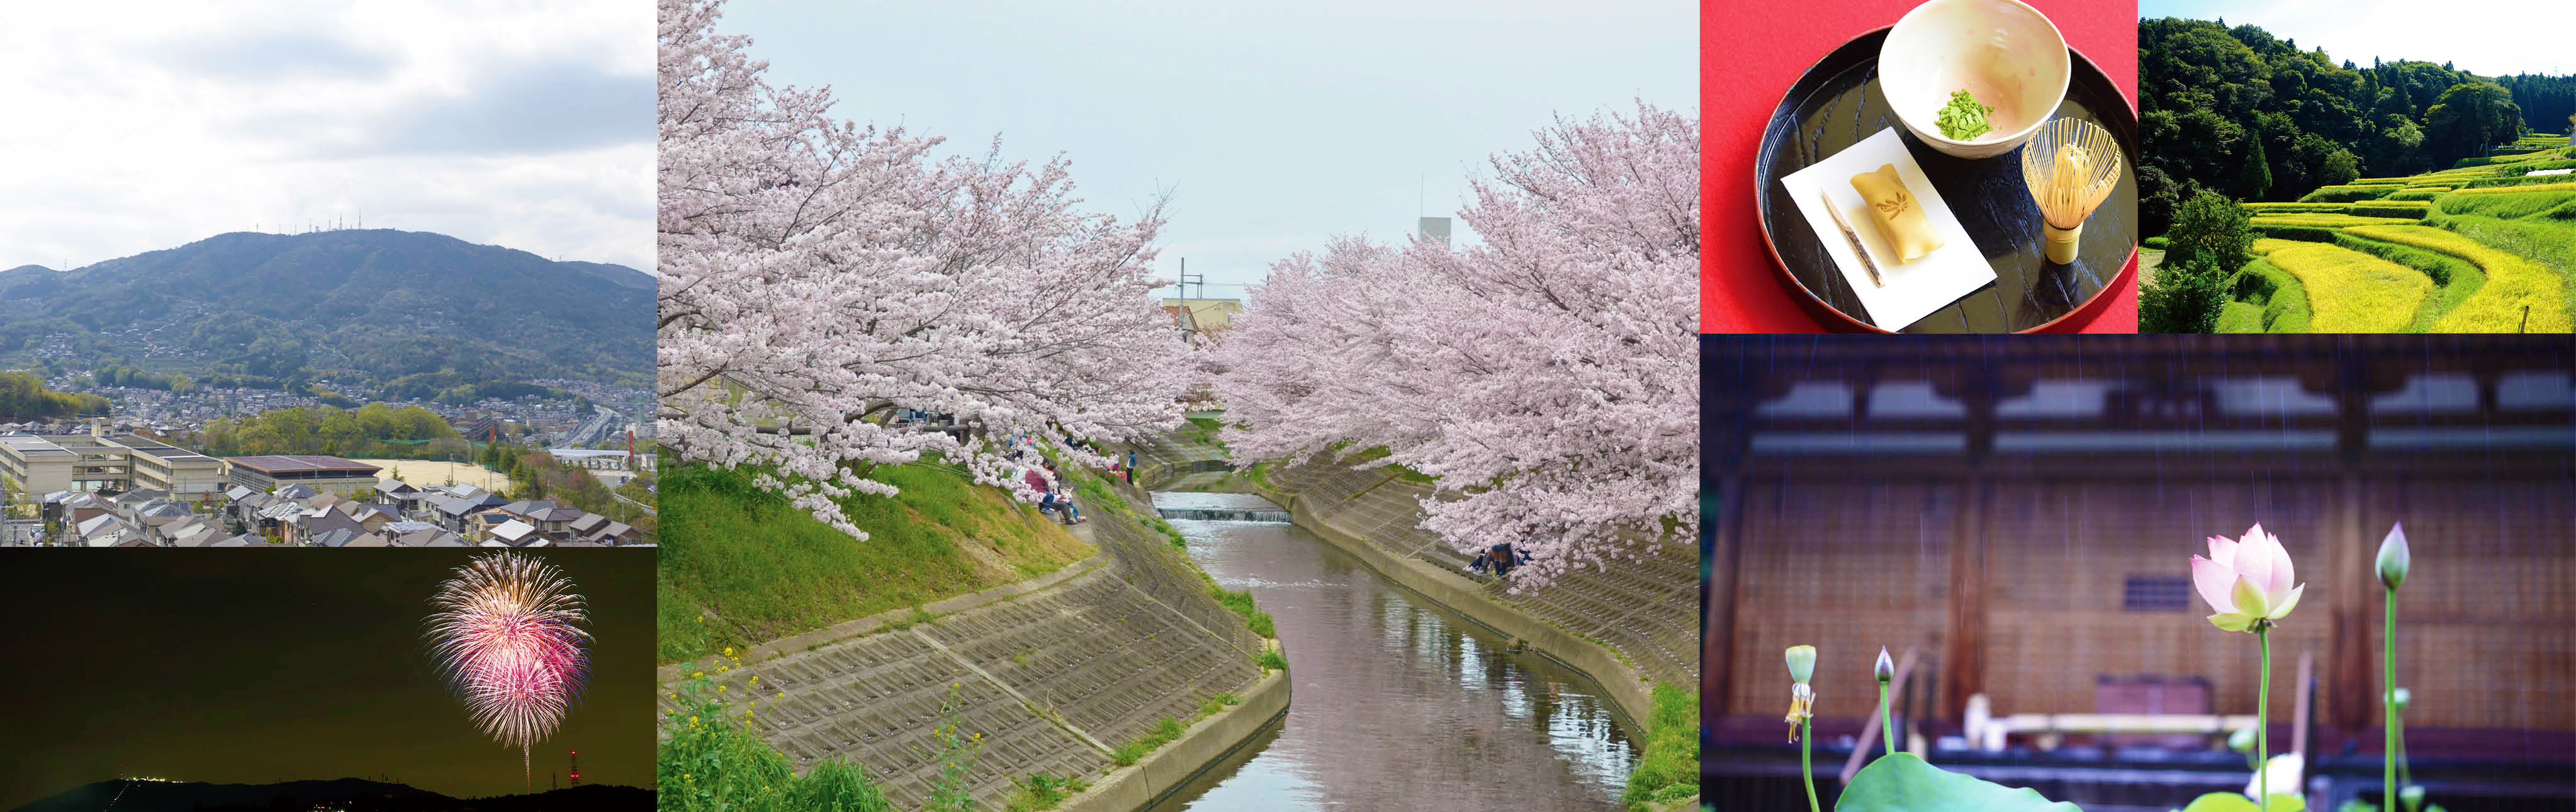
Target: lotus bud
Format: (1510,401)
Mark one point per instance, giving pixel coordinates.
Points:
(2242,740)
(2402,696)
(1802,663)
(2413,795)
(2394,559)
(1886,668)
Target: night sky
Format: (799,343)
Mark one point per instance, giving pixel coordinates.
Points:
(244,666)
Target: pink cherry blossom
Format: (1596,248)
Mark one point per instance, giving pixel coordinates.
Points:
(820,276)
(1548,376)
(2246,579)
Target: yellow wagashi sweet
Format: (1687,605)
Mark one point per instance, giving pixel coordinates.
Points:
(1898,212)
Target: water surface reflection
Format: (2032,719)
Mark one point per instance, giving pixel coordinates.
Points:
(1398,705)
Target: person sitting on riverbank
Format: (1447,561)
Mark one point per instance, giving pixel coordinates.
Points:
(1500,559)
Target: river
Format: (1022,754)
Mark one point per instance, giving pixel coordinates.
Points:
(1397,704)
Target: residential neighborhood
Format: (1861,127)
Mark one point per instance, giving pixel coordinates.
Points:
(112,488)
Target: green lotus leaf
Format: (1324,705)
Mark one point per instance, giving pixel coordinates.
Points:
(2237,802)
(1903,783)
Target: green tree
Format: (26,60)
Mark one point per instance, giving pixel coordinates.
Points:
(2469,117)
(2183,298)
(2212,227)
(2340,168)
(2256,179)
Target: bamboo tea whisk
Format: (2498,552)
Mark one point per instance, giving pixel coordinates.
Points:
(2071,165)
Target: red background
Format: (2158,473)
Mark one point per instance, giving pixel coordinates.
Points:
(1749,54)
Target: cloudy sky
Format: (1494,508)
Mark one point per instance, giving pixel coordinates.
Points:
(2479,36)
(137,127)
(1273,131)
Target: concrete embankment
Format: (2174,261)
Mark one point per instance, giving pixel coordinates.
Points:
(1055,672)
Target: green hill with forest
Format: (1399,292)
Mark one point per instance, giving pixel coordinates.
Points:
(2297,194)
(256,309)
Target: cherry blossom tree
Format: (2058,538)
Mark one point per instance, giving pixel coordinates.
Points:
(1547,377)
(822,277)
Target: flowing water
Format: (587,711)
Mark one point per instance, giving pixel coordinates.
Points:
(1397,704)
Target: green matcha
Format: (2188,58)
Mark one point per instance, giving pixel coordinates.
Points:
(1964,118)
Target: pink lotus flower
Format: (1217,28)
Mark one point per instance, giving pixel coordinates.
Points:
(2247,580)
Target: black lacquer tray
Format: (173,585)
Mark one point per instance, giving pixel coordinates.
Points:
(1837,103)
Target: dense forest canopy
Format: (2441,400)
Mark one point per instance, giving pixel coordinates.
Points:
(2251,116)
(23,397)
(373,430)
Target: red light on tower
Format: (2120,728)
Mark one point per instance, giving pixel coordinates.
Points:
(576,768)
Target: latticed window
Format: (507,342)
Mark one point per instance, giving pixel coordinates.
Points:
(2156,593)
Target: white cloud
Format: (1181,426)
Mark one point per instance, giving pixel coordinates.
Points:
(141,127)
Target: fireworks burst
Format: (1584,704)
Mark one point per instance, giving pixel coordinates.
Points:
(507,630)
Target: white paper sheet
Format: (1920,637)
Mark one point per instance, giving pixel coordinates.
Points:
(1914,289)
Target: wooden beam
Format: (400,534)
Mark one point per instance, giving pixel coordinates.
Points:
(2349,556)
(1963,645)
(1718,598)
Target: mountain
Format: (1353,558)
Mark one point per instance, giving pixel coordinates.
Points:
(344,793)
(382,302)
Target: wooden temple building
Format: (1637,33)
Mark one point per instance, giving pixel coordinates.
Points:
(2019,514)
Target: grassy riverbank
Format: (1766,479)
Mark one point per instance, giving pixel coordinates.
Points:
(740,566)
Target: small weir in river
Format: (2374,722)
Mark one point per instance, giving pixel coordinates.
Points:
(1218,507)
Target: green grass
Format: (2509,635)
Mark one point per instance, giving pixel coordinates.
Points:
(1668,766)
(2353,292)
(1271,659)
(2240,317)
(2262,208)
(2512,203)
(2266,245)
(2347,194)
(2420,193)
(1040,792)
(738,566)
(709,763)
(2515,285)
(2524,180)
(2561,185)
(1241,603)
(1202,430)
(2400,209)
(1163,732)
(2329,220)
(1156,522)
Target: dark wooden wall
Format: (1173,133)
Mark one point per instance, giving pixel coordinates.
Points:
(2006,569)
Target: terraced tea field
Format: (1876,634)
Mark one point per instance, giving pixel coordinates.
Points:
(2486,246)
